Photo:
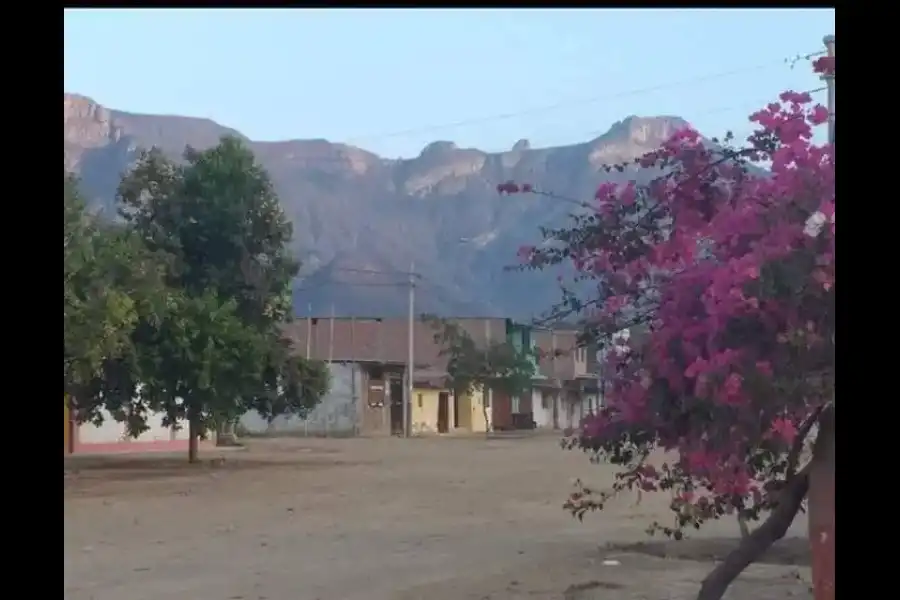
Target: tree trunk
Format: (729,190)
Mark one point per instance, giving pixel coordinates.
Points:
(193,435)
(743,526)
(225,434)
(759,540)
(485,394)
(821,508)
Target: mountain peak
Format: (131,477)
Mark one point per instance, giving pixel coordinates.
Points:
(521,146)
(645,129)
(438,148)
(631,137)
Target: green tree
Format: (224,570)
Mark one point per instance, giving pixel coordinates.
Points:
(107,276)
(497,365)
(219,223)
(196,360)
(112,284)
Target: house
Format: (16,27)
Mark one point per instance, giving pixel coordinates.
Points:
(379,349)
(430,410)
(564,389)
(568,390)
(516,412)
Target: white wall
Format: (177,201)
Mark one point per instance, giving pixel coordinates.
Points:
(112,431)
(542,408)
(570,411)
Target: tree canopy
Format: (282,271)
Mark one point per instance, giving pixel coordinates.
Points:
(727,261)
(180,310)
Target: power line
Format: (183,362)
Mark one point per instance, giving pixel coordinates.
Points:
(388,284)
(589,205)
(332,283)
(377,272)
(574,102)
(392,272)
(562,104)
(724,109)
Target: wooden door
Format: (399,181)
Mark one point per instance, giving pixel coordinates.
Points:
(443,416)
(373,412)
(397,398)
(501,411)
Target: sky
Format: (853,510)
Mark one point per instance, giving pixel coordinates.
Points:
(393,80)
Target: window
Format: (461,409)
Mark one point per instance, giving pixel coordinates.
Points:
(419,400)
(545,401)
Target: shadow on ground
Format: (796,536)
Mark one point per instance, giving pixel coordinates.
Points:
(792,551)
(109,469)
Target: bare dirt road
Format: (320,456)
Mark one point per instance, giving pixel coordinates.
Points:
(380,519)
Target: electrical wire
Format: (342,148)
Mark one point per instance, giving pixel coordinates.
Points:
(563,105)
(571,103)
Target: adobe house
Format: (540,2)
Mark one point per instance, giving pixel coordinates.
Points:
(379,348)
(568,390)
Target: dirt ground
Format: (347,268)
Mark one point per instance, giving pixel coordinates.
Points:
(382,519)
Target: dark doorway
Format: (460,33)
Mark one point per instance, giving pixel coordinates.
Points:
(455,411)
(443,412)
(396,407)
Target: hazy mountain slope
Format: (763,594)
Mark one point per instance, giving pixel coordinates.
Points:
(352,208)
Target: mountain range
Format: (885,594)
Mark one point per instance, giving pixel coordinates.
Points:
(361,220)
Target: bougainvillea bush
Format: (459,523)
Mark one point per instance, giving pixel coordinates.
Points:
(725,264)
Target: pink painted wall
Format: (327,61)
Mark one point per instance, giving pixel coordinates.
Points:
(111,437)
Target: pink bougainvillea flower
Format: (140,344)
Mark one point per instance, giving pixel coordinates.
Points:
(784,429)
(722,270)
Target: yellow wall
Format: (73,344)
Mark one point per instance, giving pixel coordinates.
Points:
(424,413)
(471,412)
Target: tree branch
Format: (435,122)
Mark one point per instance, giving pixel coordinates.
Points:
(752,547)
(797,447)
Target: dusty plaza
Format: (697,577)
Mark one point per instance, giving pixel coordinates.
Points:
(383,519)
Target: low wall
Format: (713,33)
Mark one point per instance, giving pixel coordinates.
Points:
(111,437)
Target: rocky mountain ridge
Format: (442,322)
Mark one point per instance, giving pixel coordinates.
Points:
(361,220)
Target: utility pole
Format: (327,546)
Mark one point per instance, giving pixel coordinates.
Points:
(331,336)
(308,328)
(487,396)
(829,81)
(354,370)
(410,361)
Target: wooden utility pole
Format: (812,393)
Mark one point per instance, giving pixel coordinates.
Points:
(410,360)
(331,336)
(821,492)
(829,81)
(308,328)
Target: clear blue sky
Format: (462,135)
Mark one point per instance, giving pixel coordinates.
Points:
(393,80)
